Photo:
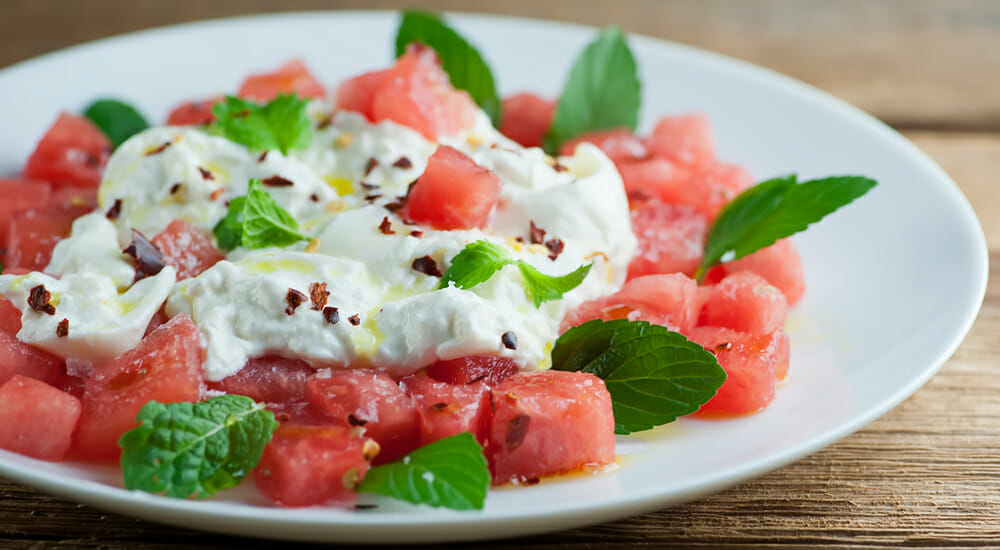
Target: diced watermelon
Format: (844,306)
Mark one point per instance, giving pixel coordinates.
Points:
(10,317)
(619,144)
(36,419)
(72,152)
(474,368)
(449,409)
(193,113)
(652,178)
(453,192)
(165,366)
(549,423)
(751,364)
(745,302)
(277,381)
(17,196)
(292,77)
(782,353)
(308,465)
(780,264)
(417,93)
(672,300)
(683,139)
(671,239)
(188,249)
(18,358)
(706,187)
(32,234)
(525,118)
(358,93)
(372,399)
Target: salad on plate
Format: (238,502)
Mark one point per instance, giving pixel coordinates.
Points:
(401,285)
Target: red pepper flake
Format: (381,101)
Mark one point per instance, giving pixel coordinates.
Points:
(115,210)
(536,234)
(205,174)
(725,346)
(217,193)
(372,163)
(509,340)
(368,186)
(62,329)
(531,481)
(395,205)
(372,197)
(403,163)
(355,421)
(519,239)
(355,319)
(175,188)
(517,429)
(158,150)
(427,266)
(38,300)
(148,258)
(262,157)
(294,299)
(318,294)
(555,247)
(314,197)
(439,406)
(416,233)
(559,167)
(386,226)
(277,181)
(331,315)
(324,122)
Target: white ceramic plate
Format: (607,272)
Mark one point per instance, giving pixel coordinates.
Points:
(894,281)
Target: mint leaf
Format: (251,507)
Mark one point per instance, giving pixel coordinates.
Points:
(475,264)
(773,210)
(118,120)
(185,449)
(256,221)
(602,91)
(653,374)
(542,287)
(449,473)
(465,66)
(480,260)
(281,124)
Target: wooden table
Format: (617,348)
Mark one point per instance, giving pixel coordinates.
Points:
(926,474)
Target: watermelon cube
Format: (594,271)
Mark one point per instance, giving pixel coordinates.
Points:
(751,365)
(745,302)
(188,249)
(37,419)
(449,409)
(779,264)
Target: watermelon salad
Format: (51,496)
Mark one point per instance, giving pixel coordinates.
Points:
(399,284)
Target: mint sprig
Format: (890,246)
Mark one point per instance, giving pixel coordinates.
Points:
(281,124)
(185,449)
(464,64)
(653,374)
(773,210)
(480,260)
(117,119)
(601,92)
(256,221)
(449,473)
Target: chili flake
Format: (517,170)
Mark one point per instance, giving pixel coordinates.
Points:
(175,188)
(62,329)
(372,163)
(427,266)
(294,299)
(403,163)
(355,421)
(517,429)
(372,197)
(318,294)
(386,226)
(369,186)
(355,319)
(509,340)
(416,233)
(157,150)
(148,258)
(555,247)
(277,181)
(205,174)
(331,315)
(217,193)
(314,197)
(38,300)
(115,210)
(262,157)
(536,234)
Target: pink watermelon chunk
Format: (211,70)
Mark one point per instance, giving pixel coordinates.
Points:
(188,249)
(292,77)
(453,192)
(18,358)
(683,139)
(745,302)
(671,239)
(780,264)
(671,300)
(525,118)
(36,419)
(619,144)
(751,365)
(449,409)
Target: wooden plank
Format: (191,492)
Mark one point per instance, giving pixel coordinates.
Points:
(913,63)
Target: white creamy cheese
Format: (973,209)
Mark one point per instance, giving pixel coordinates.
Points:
(341,184)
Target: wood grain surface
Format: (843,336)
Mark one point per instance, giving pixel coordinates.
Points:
(927,474)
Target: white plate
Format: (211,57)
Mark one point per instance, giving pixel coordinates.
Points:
(894,281)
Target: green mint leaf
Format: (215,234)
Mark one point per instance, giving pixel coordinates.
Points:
(475,264)
(281,124)
(118,120)
(602,91)
(185,449)
(542,287)
(465,66)
(449,473)
(653,374)
(773,210)
(256,221)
